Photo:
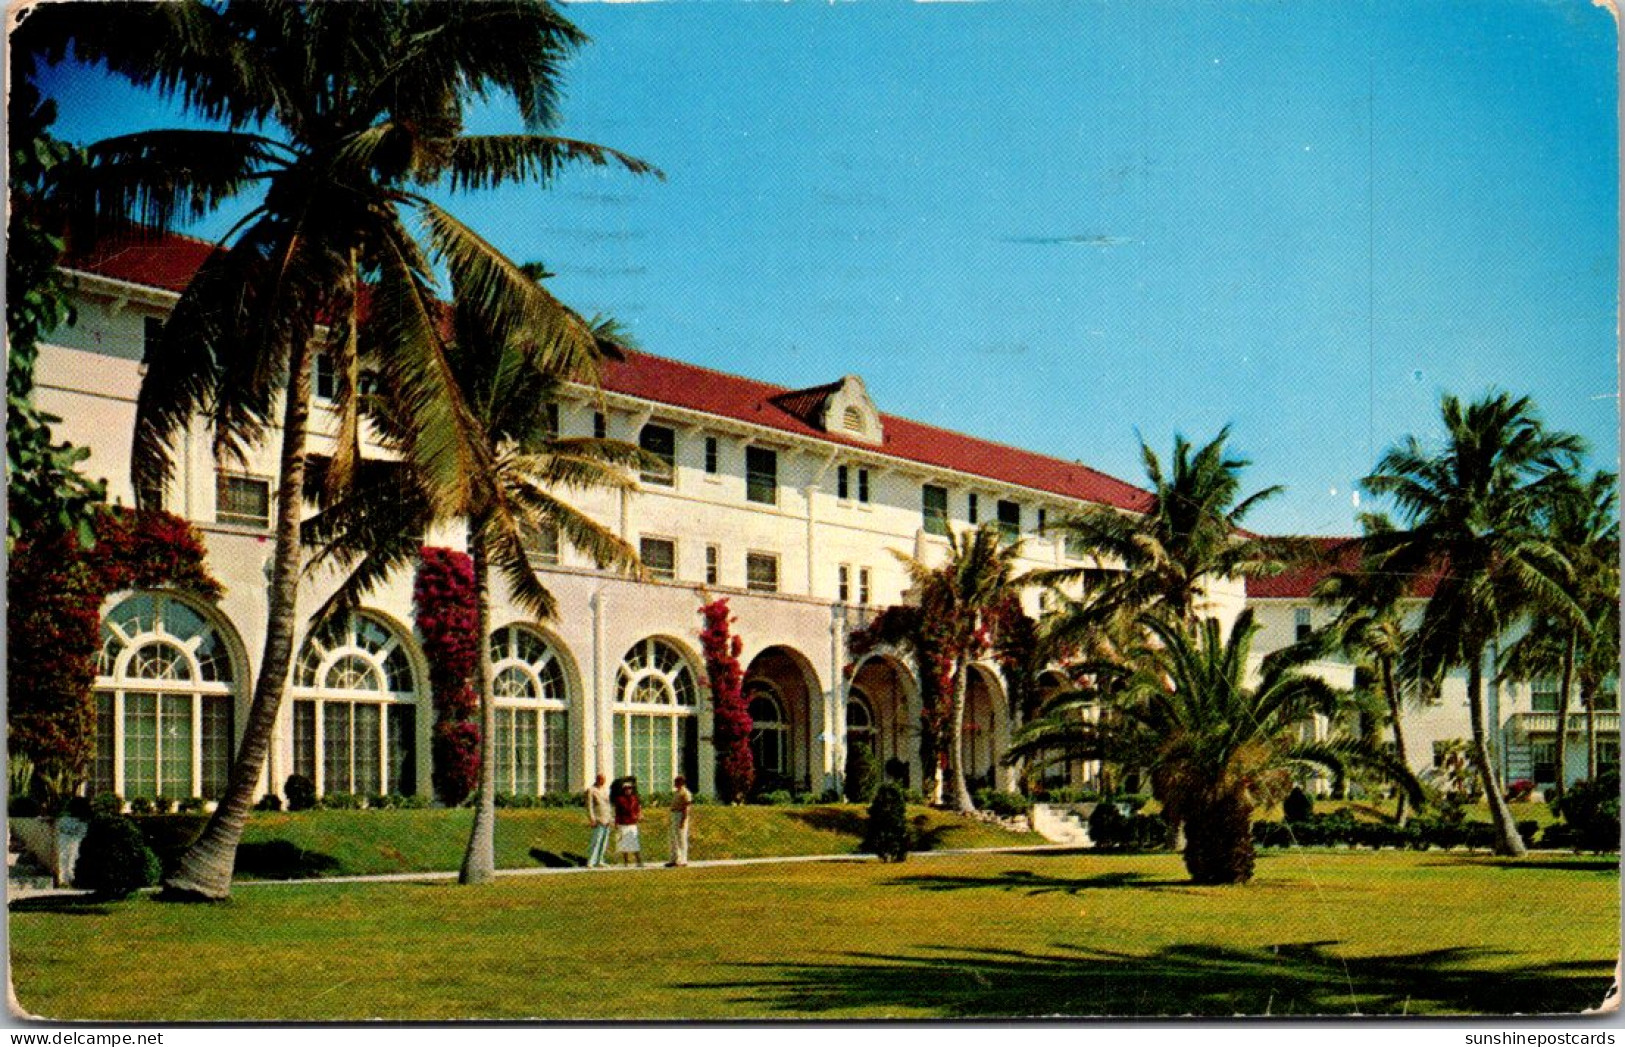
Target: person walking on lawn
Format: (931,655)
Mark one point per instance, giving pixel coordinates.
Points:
(600,815)
(681,802)
(628,813)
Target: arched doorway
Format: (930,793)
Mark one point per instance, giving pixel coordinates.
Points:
(165,692)
(1075,773)
(878,715)
(983,697)
(355,708)
(779,686)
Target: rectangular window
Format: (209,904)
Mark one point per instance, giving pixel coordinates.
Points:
(336,738)
(556,751)
(863,586)
(1301,626)
(1543,695)
(175,746)
(660,442)
(304,740)
(842,487)
(972,509)
(1607,698)
(863,486)
(762,572)
(1043,520)
(713,564)
(403,749)
(600,426)
(659,557)
(244,500)
(762,475)
(504,748)
(526,744)
(216,746)
(324,383)
(843,584)
(1009,520)
(934,508)
(542,546)
(152,330)
(711,467)
(550,420)
(369,722)
(140,745)
(1607,755)
(1543,754)
(101,775)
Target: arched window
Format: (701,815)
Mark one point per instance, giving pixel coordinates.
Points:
(656,716)
(533,728)
(769,732)
(860,720)
(355,704)
(164,696)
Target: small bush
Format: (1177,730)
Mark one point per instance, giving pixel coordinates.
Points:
(23,807)
(106,803)
(886,833)
(414,803)
(114,860)
(162,805)
(190,805)
(140,805)
(1528,828)
(300,791)
(1003,804)
(1298,806)
(862,774)
(1108,826)
(269,802)
(830,795)
(776,798)
(1590,809)
(341,801)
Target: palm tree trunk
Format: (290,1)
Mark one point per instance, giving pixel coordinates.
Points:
(205,869)
(1588,696)
(1507,840)
(480,861)
(1395,710)
(1564,686)
(956,741)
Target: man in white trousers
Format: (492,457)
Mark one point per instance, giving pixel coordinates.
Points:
(601,816)
(681,801)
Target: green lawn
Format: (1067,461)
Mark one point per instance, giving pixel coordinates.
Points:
(945,937)
(343,843)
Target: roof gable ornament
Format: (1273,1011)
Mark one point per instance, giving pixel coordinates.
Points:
(849,412)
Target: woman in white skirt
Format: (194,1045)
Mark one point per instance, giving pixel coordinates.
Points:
(628,812)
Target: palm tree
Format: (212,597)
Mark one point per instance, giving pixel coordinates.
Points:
(340,113)
(1214,746)
(1582,523)
(523,494)
(1470,516)
(957,598)
(1190,531)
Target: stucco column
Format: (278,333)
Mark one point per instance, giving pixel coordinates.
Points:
(599,723)
(830,706)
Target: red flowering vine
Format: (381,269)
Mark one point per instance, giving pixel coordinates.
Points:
(448,621)
(731,722)
(53,624)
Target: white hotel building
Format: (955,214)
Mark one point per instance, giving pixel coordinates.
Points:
(789,502)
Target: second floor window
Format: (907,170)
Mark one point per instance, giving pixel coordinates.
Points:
(661,442)
(542,545)
(713,564)
(710,456)
(843,584)
(600,426)
(863,586)
(1009,520)
(863,486)
(1301,626)
(324,381)
(762,475)
(1076,548)
(843,488)
(934,509)
(152,330)
(243,500)
(659,556)
(762,572)
(972,510)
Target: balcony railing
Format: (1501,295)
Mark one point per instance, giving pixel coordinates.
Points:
(1546,723)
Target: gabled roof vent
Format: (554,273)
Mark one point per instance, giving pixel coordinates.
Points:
(849,412)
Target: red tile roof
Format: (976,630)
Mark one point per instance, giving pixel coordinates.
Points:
(168,262)
(1339,554)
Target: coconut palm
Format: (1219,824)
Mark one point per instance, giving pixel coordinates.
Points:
(1189,532)
(957,598)
(1215,747)
(524,493)
(338,114)
(1469,518)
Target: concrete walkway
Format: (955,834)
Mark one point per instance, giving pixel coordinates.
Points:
(15,894)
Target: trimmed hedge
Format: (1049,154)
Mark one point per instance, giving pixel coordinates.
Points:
(1340,829)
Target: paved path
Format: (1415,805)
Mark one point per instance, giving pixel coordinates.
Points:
(15,894)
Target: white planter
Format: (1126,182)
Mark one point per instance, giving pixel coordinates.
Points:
(53,843)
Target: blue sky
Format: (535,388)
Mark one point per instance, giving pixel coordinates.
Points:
(1058,225)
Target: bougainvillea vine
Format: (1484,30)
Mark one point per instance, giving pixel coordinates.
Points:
(448,621)
(731,722)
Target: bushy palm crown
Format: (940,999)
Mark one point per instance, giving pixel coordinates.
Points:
(1191,530)
(979,574)
(1470,518)
(338,114)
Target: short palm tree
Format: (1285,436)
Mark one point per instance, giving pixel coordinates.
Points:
(1215,745)
(338,114)
(1189,532)
(957,598)
(1469,518)
(523,494)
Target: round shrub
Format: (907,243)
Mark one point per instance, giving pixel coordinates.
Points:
(1108,827)
(862,774)
(342,801)
(114,860)
(300,791)
(886,834)
(1003,804)
(1590,809)
(269,802)
(106,803)
(190,805)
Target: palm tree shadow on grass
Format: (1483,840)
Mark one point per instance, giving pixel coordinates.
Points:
(1302,978)
(1031,883)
